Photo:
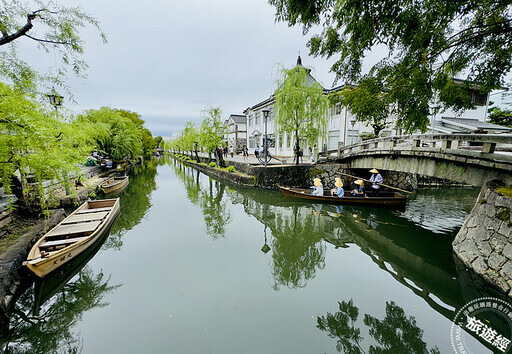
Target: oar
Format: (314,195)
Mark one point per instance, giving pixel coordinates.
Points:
(382,184)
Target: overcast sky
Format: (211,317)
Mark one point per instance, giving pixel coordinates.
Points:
(169,60)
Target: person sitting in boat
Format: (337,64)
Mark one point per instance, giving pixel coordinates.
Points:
(359,190)
(318,188)
(376,180)
(338,191)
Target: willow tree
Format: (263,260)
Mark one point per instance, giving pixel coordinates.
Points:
(428,42)
(114,133)
(212,132)
(53,28)
(191,138)
(300,107)
(36,145)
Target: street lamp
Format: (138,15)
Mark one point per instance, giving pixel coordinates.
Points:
(55,100)
(265,114)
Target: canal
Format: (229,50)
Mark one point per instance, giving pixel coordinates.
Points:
(193,265)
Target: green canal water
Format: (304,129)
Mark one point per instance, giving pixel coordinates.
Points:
(193,265)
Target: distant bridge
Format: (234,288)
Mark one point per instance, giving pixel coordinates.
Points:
(471,159)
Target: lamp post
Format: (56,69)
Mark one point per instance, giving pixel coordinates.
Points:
(55,100)
(265,114)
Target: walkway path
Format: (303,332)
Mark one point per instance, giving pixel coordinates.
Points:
(252,160)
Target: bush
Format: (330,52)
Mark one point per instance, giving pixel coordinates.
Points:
(212,164)
(367,136)
(231,169)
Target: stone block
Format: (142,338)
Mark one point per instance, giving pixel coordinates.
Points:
(506,230)
(480,266)
(481,234)
(489,210)
(506,270)
(507,251)
(498,243)
(485,249)
(496,260)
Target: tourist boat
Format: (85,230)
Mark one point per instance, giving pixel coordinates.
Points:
(386,199)
(114,185)
(72,236)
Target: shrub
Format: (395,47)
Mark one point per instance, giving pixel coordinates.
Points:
(231,169)
(367,136)
(212,164)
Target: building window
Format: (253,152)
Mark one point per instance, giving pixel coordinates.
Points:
(250,120)
(333,139)
(337,109)
(252,142)
(257,119)
(478,99)
(352,136)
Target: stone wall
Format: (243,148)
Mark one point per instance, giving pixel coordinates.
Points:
(484,243)
(11,269)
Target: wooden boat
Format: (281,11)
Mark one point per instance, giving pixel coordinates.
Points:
(72,236)
(114,185)
(386,199)
(46,287)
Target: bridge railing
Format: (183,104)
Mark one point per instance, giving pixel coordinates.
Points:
(483,143)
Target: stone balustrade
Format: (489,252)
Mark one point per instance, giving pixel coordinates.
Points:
(485,143)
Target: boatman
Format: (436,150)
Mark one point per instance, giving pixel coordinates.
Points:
(376,180)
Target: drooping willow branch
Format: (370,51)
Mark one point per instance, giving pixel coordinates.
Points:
(7,38)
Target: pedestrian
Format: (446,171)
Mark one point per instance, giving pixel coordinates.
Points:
(376,180)
(257,151)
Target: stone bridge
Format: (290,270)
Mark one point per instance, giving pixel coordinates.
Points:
(471,159)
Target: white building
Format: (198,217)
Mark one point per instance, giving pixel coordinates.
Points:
(236,132)
(343,128)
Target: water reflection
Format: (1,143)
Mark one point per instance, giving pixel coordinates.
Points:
(52,328)
(210,199)
(135,202)
(396,333)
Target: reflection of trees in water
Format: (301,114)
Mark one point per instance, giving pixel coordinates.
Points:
(50,332)
(396,333)
(298,249)
(215,211)
(209,199)
(135,202)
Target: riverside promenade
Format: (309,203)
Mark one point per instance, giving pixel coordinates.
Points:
(252,160)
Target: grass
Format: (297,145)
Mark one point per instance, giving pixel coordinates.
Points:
(506,191)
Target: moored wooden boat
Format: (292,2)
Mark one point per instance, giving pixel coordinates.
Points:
(114,185)
(386,199)
(72,236)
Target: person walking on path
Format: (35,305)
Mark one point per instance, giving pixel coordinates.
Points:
(376,180)
(245,152)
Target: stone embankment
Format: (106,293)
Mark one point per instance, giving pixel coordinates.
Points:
(12,259)
(484,243)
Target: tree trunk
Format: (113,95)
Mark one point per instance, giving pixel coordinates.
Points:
(297,149)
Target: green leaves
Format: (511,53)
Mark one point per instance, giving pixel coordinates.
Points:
(54,28)
(427,42)
(300,106)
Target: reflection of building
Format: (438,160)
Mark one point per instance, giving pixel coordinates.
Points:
(236,132)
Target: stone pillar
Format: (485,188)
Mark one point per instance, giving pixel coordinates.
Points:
(484,243)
